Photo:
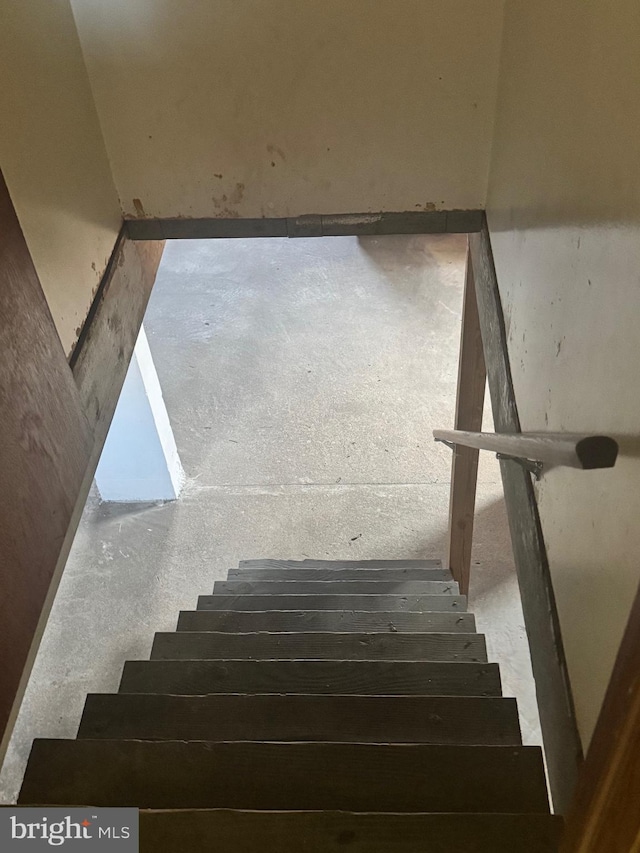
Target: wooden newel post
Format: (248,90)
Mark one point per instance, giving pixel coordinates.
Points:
(472,376)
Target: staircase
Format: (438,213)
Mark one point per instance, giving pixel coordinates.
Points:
(311,706)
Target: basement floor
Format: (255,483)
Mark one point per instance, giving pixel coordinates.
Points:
(303,379)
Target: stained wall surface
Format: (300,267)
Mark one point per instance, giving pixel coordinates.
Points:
(234,108)
(246,108)
(564,215)
(53,157)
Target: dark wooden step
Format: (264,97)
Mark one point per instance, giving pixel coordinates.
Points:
(374,678)
(330,832)
(307,646)
(419,603)
(340,564)
(339,574)
(324,620)
(243,775)
(357,719)
(241,587)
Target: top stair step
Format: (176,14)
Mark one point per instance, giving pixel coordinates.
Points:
(339,564)
(331,574)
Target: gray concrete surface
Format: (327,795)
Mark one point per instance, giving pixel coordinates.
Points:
(303,379)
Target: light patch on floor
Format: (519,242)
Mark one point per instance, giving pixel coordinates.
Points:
(303,379)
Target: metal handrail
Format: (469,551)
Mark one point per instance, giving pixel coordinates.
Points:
(542,449)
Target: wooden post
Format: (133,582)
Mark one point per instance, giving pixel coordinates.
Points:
(45,446)
(472,377)
(54,419)
(605,815)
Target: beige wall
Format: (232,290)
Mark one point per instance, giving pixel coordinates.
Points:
(53,157)
(253,108)
(234,108)
(564,213)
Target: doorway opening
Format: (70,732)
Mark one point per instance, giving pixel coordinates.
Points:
(302,380)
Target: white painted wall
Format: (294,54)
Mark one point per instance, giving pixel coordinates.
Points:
(53,157)
(564,213)
(252,108)
(140,461)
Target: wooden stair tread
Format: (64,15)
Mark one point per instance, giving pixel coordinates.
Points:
(419,603)
(333,832)
(315,676)
(325,620)
(309,646)
(312,705)
(337,718)
(355,587)
(327,574)
(339,564)
(298,776)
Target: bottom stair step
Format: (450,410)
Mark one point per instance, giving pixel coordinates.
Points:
(357,719)
(334,832)
(299,776)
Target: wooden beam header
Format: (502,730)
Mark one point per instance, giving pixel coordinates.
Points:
(310,225)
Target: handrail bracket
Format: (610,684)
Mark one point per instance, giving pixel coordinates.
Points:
(533,466)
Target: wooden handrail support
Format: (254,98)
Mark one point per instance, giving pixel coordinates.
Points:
(550,449)
(472,379)
(563,748)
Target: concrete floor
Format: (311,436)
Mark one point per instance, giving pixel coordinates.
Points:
(303,379)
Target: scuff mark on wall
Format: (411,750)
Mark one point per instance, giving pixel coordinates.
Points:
(274,149)
(223,203)
(237,194)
